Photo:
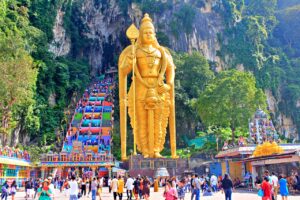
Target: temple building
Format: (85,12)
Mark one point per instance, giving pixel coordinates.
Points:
(15,165)
(260,153)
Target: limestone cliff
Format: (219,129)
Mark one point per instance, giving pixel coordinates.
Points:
(61,44)
(102,26)
(106,23)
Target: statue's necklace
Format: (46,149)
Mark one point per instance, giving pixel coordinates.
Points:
(149,55)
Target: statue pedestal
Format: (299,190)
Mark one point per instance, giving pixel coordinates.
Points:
(138,165)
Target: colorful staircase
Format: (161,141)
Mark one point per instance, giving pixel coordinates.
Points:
(88,139)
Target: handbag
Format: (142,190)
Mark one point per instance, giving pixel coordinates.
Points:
(260,193)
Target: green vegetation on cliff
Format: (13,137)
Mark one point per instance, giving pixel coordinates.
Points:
(265,41)
(35,77)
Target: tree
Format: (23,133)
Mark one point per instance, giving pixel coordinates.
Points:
(192,75)
(230,100)
(17,80)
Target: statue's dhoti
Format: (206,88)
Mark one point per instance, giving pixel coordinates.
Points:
(151,119)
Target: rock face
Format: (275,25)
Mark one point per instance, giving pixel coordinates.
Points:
(284,124)
(106,25)
(61,44)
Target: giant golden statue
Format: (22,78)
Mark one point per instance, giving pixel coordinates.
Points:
(150,99)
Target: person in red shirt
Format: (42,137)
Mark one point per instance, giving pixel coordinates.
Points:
(266,187)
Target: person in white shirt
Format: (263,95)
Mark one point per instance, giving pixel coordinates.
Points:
(109,185)
(214,182)
(114,187)
(129,187)
(275,184)
(73,189)
(51,187)
(101,182)
(94,186)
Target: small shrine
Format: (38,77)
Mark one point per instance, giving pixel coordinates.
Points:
(261,128)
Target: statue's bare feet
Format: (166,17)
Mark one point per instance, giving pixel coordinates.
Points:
(174,156)
(157,155)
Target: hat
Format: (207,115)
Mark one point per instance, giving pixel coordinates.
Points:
(46,180)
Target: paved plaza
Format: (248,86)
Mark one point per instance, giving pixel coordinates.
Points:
(237,195)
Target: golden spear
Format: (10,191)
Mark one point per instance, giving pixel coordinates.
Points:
(133,33)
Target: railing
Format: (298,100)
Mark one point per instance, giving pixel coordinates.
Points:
(78,158)
(16,157)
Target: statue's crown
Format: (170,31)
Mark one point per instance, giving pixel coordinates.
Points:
(146,18)
(146,22)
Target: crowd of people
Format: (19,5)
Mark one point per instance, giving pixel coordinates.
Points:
(74,187)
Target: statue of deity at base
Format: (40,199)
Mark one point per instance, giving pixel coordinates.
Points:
(150,100)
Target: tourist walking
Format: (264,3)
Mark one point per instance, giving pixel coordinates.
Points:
(94,185)
(155,185)
(141,187)
(13,190)
(214,183)
(36,186)
(100,185)
(109,185)
(227,186)
(275,184)
(89,186)
(51,187)
(66,187)
(129,187)
(44,192)
(267,188)
(83,187)
(146,188)
(29,189)
(197,186)
(283,188)
(136,188)
(120,187)
(170,192)
(4,190)
(114,187)
(192,187)
(73,189)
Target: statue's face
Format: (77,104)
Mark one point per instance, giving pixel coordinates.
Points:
(148,36)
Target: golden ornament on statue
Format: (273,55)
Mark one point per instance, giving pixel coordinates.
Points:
(132,32)
(151,99)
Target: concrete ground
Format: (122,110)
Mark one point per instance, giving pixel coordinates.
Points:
(237,195)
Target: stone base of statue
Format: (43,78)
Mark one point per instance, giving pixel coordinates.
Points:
(152,167)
